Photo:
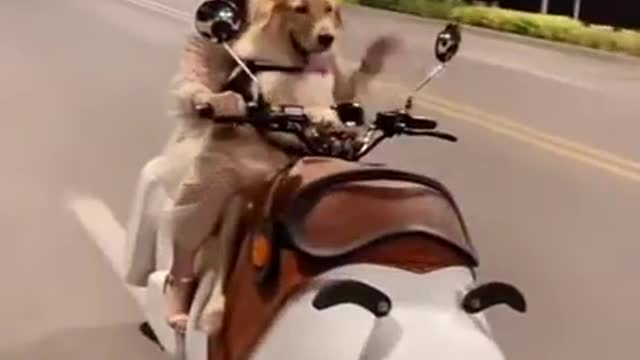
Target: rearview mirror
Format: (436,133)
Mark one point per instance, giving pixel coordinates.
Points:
(218,20)
(221,21)
(445,48)
(447,43)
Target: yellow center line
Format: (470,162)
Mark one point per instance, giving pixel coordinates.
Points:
(591,156)
(557,140)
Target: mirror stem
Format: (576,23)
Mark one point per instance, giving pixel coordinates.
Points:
(240,62)
(409,103)
(256,88)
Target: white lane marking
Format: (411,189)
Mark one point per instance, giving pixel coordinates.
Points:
(514,65)
(109,235)
(160,8)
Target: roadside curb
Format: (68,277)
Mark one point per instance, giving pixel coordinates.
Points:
(500,35)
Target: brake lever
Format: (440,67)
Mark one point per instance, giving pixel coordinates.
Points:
(419,122)
(435,134)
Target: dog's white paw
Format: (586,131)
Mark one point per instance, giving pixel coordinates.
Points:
(378,52)
(323,117)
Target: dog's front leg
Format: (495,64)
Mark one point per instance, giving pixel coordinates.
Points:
(349,85)
(204,68)
(345,81)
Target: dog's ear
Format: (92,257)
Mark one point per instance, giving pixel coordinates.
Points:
(262,11)
(338,15)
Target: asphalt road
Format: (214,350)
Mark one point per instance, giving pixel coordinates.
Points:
(83,97)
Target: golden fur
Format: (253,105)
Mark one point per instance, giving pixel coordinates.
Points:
(242,157)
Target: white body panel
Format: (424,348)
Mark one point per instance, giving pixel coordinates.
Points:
(426,321)
(148,258)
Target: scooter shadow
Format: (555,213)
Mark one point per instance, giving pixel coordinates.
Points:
(121,341)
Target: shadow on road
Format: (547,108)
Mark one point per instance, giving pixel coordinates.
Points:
(122,341)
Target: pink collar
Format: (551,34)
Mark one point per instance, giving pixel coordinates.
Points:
(320,64)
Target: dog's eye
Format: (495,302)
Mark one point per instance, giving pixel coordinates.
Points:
(329,9)
(301,9)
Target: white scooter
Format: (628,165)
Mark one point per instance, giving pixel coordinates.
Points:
(356,302)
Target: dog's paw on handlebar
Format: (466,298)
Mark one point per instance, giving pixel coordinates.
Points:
(336,130)
(225,104)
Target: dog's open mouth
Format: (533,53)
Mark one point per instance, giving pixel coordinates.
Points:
(305,52)
(316,60)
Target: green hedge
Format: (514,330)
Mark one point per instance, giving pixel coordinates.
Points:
(440,9)
(549,27)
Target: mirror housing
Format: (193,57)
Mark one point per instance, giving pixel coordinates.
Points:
(218,20)
(448,43)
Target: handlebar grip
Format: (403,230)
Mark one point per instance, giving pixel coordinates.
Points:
(205,111)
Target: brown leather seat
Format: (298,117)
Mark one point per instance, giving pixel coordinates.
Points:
(330,203)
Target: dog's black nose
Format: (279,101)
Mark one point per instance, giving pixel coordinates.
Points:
(325,40)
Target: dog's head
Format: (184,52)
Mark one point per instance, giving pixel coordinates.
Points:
(311,25)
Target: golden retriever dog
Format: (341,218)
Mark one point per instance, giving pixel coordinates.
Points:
(302,33)
(223,160)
